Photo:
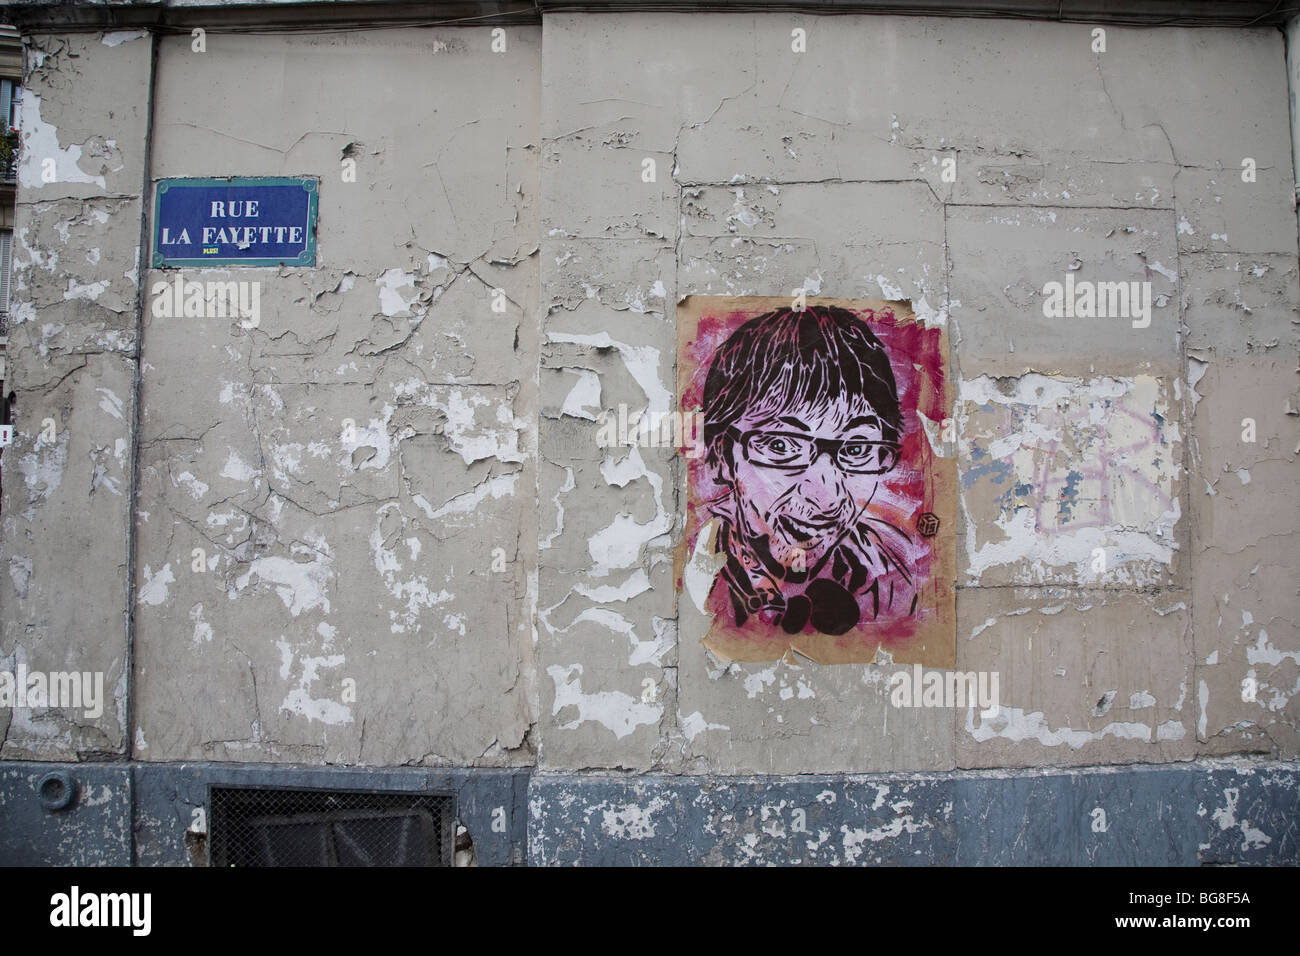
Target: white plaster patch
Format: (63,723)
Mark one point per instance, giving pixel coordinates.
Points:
(619,545)
(630,822)
(373,435)
(90,291)
(1139,700)
(391,284)
(154,589)
(855,838)
(1012,723)
(117,37)
(637,583)
(300,584)
(642,363)
(567,486)
(700,571)
(1226,818)
(1265,653)
(583,400)
(616,711)
(237,469)
(694,724)
(299,700)
(110,403)
(202,629)
(414,591)
(194,486)
(41,142)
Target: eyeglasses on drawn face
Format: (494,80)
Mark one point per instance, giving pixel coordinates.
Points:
(790,451)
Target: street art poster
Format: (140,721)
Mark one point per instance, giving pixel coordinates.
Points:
(821,502)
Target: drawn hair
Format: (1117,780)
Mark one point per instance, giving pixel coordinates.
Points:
(784,359)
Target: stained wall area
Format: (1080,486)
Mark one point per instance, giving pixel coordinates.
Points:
(377,529)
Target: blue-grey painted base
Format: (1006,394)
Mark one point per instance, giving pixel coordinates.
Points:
(1199,813)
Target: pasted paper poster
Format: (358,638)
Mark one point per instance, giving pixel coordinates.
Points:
(821,503)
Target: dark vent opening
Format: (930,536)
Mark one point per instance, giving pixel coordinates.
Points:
(285,827)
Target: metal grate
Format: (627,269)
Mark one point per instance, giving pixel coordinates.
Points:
(261,827)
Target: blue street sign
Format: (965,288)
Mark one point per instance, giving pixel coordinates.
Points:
(240,221)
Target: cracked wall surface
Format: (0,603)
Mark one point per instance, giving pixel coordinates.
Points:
(1077,436)
(72,366)
(413,549)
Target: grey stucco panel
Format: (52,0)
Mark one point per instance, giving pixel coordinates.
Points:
(1205,812)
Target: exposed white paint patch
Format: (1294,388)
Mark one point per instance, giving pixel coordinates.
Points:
(202,629)
(1226,818)
(300,584)
(390,285)
(641,652)
(1012,723)
(91,291)
(238,469)
(854,838)
(474,441)
(154,589)
(194,486)
(1170,274)
(110,403)
(642,363)
(694,724)
(116,37)
(1243,475)
(1196,369)
(567,486)
(415,591)
(501,486)
(887,288)
(373,435)
(41,142)
(1203,698)
(630,822)
(704,564)
(1140,699)
(583,400)
(618,712)
(299,700)
(1265,653)
(619,544)
(1171,730)
(755,682)
(637,583)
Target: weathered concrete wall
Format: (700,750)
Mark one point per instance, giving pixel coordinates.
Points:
(357,470)
(72,363)
(360,469)
(776,171)
(366,556)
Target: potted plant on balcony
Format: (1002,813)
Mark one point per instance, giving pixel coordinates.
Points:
(9,153)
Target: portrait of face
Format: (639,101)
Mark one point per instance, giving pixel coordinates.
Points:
(803,476)
(815,472)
